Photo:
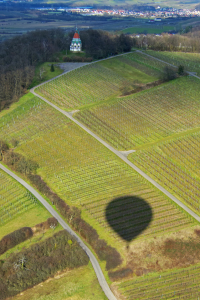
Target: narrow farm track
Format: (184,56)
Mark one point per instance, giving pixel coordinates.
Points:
(189,73)
(121,155)
(95,264)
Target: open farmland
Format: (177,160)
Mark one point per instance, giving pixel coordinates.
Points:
(15,202)
(126,210)
(84,173)
(175,165)
(134,121)
(177,284)
(191,61)
(99,81)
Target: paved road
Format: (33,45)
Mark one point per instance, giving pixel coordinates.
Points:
(101,279)
(190,73)
(78,66)
(92,258)
(122,156)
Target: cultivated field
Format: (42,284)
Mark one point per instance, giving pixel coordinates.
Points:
(84,173)
(15,202)
(134,121)
(190,61)
(99,81)
(175,165)
(162,124)
(178,284)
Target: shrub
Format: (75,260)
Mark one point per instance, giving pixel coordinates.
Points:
(45,225)
(119,274)
(19,163)
(77,59)
(169,73)
(14,238)
(181,70)
(52,68)
(3,146)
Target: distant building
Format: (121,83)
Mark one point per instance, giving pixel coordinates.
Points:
(76,45)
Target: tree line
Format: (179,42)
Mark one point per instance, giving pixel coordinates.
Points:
(20,55)
(189,42)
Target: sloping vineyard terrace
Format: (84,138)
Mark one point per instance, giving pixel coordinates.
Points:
(177,284)
(85,174)
(16,201)
(190,61)
(101,80)
(175,165)
(146,117)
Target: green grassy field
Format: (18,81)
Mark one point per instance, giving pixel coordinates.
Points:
(18,207)
(99,81)
(43,73)
(139,120)
(162,124)
(77,284)
(190,61)
(85,174)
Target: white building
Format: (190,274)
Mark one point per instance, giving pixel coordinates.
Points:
(76,45)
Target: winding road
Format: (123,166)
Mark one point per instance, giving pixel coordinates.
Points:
(95,264)
(122,156)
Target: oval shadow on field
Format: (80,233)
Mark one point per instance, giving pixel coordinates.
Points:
(129,216)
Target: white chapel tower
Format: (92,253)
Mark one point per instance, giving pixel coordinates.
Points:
(76,45)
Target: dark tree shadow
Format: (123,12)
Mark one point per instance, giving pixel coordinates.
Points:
(129,216)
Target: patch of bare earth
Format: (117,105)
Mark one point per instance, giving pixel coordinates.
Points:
(114,288)
(175,250)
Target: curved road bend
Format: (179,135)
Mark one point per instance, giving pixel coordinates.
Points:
(92,258)
(100,276)
(122,156)
(65,72)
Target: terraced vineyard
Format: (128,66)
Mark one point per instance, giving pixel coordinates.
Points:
(162,124)
(191,61)
(179,284)
(16,201)
(148,116)
(84,173)
(99,81)
(175,165)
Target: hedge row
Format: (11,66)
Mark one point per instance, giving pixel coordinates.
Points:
(73,216)
(39,262)
(18,236)
(77,59)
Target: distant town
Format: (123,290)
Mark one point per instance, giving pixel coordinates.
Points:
(156,14)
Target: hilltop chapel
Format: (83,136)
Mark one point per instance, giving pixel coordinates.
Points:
(76,45)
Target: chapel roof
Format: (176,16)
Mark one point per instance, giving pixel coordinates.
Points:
(76,35)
